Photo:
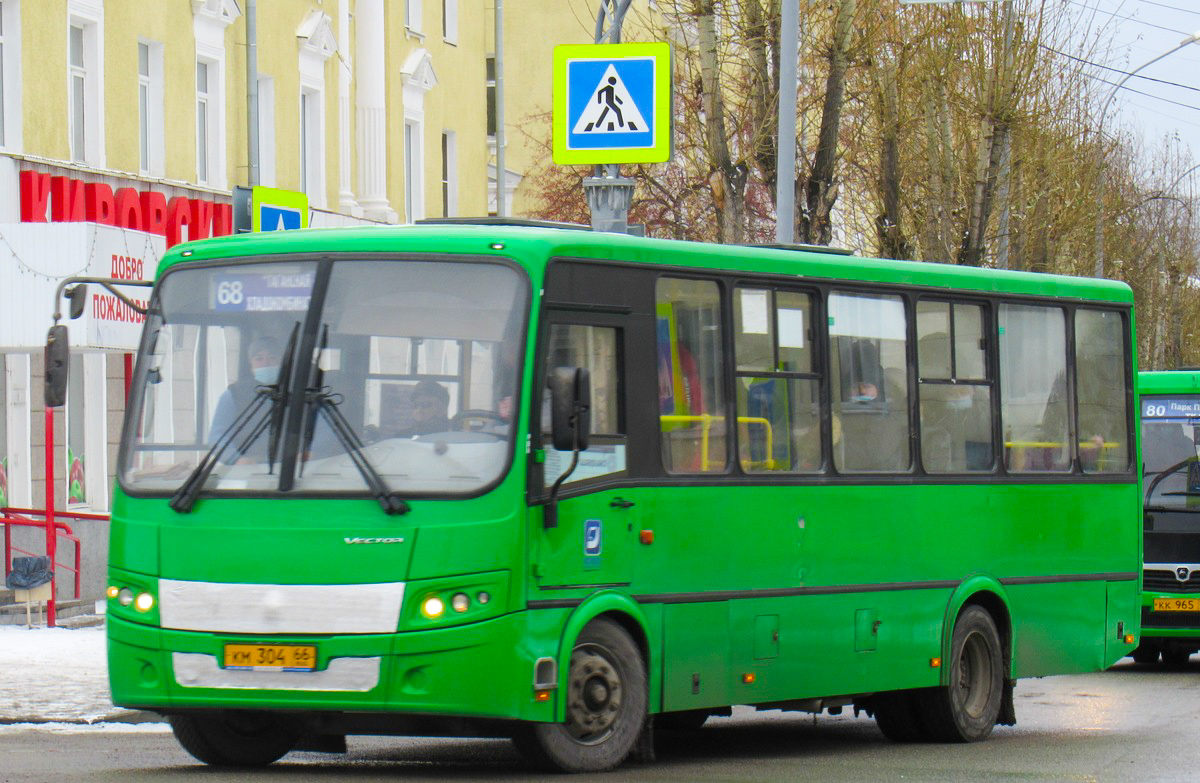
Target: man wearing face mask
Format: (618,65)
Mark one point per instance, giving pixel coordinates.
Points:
(263,355)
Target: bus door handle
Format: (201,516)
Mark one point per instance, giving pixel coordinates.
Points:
(621,503)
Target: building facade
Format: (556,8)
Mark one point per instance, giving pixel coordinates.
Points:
(123,131)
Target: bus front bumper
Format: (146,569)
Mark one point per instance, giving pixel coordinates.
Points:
(483,669)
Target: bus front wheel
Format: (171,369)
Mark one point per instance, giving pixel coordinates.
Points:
(967,708)
(235,739)
(606,705)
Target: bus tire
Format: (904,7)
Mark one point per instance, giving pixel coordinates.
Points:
(683,721)
(235,739)
(898,716)
(1145,653)
(606,705)
(1176,658)
(966,710)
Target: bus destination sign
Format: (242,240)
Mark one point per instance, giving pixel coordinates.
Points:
(1170,407)
(262,292)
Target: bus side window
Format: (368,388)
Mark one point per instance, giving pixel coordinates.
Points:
(868,363)
(1033,389)
(691,404)
(955,396)
(1100,391)
(778,409)
(596,349)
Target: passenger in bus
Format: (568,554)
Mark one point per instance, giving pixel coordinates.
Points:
(871,422)
(263,356)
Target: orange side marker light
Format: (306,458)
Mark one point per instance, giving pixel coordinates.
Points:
(935,663)
(646,536)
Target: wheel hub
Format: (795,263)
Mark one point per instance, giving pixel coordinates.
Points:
(593,696)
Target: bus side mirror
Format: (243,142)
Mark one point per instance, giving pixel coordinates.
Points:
(56,357)
(570,408)
(78,297)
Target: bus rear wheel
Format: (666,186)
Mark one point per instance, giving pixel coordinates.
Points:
(235,739)
(606,705)
(898,716)
(967,708)
(1145,653)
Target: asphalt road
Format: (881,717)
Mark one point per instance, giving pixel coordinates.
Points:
(1132,723)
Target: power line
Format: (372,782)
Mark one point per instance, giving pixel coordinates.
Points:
(1148,95)
(1118,70)
(1172,7)
(1115,15)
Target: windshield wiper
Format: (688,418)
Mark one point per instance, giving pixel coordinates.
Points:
(185,497)
(283,386)
(1167,472)
(318,399)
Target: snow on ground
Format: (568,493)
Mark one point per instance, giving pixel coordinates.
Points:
(54,674)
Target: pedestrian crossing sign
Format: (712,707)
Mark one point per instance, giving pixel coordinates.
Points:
(612,103)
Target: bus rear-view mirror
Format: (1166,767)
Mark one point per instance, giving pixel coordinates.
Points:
(570,408)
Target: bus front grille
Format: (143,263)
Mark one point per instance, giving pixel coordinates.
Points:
(1162,581)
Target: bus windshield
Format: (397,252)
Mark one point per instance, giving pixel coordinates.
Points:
(1170,434)
(313,366)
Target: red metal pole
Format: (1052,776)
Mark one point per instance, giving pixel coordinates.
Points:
(128,373)
(51,532)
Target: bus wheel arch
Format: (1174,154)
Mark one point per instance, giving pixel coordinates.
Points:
(976,693)
(605,691)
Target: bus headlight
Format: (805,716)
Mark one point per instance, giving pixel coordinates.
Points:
(460,603)
(144,602)
(124,596)
(433,607)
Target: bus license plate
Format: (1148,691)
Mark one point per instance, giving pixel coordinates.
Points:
(1177,604)
(271,657)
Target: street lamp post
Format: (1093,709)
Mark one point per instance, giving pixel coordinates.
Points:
(1191,39)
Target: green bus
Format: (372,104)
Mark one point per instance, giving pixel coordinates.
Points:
(511,480)
(1170,410)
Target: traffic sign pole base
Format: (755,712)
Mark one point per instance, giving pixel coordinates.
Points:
(609,199)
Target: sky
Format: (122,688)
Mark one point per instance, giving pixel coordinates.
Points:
(1167,103)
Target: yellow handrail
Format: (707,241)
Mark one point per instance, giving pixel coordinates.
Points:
(706,420)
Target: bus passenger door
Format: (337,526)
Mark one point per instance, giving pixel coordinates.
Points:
(592,542)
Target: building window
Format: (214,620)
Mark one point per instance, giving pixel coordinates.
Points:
(211,18)
(312,179)
(450,21)
(266,131)
(85,115)
(414,203)
(491,98)
(202,122)
(143,108)
(412,15)
(449,173)
(78,93)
